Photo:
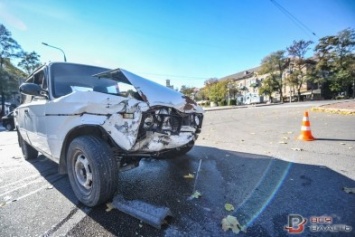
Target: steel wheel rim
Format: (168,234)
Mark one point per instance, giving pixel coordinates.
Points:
(83,171)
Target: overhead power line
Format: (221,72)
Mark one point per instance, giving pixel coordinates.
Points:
(294,19)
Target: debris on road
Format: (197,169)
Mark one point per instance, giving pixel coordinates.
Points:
(189,176)
(297,149)
(147,213)
(195,195)
(109,207)
(349,190)
(231,222)
(282,142)
(229,207)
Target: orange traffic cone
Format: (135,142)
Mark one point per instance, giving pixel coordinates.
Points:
(306,134)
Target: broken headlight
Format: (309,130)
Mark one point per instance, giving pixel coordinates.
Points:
(169,121)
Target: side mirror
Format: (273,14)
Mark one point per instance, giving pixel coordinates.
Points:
(30,89)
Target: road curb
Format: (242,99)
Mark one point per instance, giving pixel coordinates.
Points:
(224,108)
(334,111)
(238,107)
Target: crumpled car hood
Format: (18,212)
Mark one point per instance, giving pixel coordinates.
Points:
(153,93)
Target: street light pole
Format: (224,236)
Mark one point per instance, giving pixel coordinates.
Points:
(65,59)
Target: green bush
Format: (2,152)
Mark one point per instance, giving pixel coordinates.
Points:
(341,97)
(222,103)
(232,102)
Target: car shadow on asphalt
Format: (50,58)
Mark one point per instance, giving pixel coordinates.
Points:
(336,139)
(263,190)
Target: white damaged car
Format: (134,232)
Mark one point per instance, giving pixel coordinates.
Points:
(96,122)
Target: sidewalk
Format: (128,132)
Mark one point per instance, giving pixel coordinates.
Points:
(337,107)
(236,107)
(346,107)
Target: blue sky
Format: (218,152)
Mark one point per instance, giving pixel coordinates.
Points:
(186,41)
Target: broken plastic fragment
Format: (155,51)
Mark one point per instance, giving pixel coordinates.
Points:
(282,142)
(349,190)
(229,207)
(189,176)
(196,195)
(297,149)
(231,222)
(109,206)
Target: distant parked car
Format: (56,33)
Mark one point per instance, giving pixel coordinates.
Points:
(8,121)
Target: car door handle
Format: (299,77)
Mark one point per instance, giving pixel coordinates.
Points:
(26,111)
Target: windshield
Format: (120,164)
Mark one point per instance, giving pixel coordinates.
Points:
(67,78)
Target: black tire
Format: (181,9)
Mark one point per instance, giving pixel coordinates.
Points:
(9,127)
(28,152)
(92,170)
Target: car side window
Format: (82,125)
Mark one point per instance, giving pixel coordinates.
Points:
(40,79)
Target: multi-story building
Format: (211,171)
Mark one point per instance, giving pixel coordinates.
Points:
(248,84)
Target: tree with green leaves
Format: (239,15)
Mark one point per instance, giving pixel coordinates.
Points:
(9,48)
(299,64)
(29,62)
(336,61)
(188,91)
(269,86)
(274,65)
(232,92)
(216,90)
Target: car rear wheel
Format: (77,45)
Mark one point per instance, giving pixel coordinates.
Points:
(28,151)
(9,127)
(92,170)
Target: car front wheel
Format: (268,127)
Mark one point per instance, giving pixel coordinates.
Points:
(92,170)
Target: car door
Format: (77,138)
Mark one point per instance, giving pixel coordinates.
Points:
(33,114)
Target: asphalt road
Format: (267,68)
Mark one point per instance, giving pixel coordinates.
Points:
(249,157)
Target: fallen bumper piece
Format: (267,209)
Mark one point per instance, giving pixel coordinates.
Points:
(148,213)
